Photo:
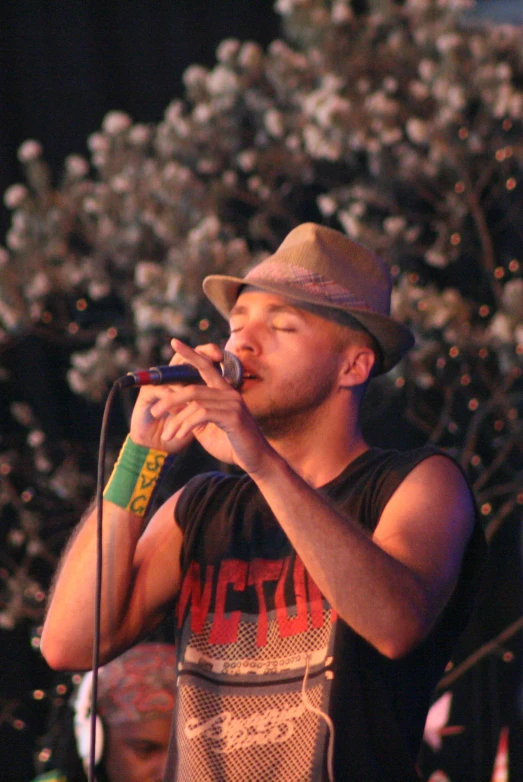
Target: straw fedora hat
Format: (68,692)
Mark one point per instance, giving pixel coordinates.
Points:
(320,266)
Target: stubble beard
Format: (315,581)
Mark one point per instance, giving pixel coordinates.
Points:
(296,414)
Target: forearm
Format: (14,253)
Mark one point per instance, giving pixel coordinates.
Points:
(67,641)
(67,638)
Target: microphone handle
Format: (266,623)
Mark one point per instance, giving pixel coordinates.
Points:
(230,368)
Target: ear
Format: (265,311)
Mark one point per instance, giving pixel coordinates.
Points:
(357,366)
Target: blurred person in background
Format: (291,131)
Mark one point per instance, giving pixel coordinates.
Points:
(134,707)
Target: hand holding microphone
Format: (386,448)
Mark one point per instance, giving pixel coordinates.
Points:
(164,394)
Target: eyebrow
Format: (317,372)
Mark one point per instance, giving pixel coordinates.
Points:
(241,309)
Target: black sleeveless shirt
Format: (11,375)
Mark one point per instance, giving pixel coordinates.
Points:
(272,685)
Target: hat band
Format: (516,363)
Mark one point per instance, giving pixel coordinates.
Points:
(309,281)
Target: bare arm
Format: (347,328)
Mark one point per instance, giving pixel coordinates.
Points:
(139,579)
(140,571)
(392,586)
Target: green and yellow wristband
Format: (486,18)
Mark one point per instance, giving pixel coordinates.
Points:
(134,477)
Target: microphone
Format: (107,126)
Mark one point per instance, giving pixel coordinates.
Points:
(186,374)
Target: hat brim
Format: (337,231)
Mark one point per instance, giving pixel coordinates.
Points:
(394,338)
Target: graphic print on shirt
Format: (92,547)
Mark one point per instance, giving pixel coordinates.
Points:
(251,636)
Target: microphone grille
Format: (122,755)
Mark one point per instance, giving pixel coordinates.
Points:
(232,369)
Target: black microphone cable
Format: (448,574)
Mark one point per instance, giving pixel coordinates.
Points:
(100,482)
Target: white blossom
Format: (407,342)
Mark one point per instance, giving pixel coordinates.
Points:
(116,122)
(247,159)
(447,42)
(327,205)
(436,258)
(76,166)
(36,438)
(195,76)
(341,13)
(30,150)
(250,55)
(76,381)
(286,7)
(513,297)
(147,273)
(15,241)
(174,282)
(394,225)
(227,50)
(208,229)
(427,69)
(350,223)
(98,289)
(273,121)
(203,113)
(417,130)
(39,286)
(97,143)
(120,183)
(379,102)
(7,620)
(500,328)
(140,134)
(418,89)
(221,81)
(15,196)
(22,413)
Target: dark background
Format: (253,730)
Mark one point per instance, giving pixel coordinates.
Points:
(63,65)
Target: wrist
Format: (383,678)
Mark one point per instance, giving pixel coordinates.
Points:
(134,477)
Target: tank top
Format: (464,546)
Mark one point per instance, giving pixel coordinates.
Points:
(272,685)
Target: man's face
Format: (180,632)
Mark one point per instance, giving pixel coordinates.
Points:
(137,751)
(291,359)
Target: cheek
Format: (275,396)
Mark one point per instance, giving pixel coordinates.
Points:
(120,764)
(128,766)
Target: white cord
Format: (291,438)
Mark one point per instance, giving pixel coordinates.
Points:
(330,725)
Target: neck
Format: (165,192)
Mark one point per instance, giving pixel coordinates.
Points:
(319,451)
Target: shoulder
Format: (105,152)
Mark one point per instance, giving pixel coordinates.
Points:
(431,505)
(436,473)
(432,479)
(432,470)
(372,480)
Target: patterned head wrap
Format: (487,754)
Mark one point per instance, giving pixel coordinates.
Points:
(139,684)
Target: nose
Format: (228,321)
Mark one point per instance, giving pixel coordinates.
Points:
(248,339)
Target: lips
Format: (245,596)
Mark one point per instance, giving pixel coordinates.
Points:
(249,374)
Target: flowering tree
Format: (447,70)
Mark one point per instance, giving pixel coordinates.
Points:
(399,124)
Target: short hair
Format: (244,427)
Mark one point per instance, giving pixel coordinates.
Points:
(348,323)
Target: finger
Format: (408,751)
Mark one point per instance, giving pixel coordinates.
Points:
(194,415)
(181,396)
(203,359)
(173,399)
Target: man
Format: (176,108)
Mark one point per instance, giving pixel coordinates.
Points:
(319,594)
(134,710)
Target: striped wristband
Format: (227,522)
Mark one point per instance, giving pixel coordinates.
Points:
(134,477)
